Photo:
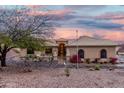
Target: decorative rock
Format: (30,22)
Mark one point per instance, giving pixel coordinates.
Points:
(111,69)
(91,69)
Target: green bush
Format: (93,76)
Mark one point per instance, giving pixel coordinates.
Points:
(97,67)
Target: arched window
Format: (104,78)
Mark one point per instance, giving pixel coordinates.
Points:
(103,53)
(81,53)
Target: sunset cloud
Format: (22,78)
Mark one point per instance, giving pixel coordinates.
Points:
(70,33)
(50,12)
(99,24)
(85,7)
(118,21)
(116,35)
(35,6)
(111,15)
(106,22)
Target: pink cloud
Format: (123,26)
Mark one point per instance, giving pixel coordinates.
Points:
(112,35)
(118,21)
(70,33)
(50,12)
(35,6)
(111,15)
(117,17)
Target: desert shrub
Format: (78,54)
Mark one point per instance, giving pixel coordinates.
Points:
(96,60)
(67,72)
(101,62)
(113,60)
(97,67)
(27,63)
(105,62)
(31,57)
(88,61)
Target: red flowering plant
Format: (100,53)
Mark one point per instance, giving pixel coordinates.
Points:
(113,60)
(75,59)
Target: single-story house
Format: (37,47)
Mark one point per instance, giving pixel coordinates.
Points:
(84,46)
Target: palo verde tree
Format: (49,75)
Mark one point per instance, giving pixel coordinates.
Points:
(18,28)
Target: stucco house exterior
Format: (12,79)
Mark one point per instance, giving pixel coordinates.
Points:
(84,46)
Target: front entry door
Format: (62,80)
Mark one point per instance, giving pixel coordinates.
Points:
(62,50)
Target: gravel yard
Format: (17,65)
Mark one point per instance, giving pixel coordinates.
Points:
(55,77)
(44,75)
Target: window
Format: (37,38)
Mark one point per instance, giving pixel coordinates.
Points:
(81,53)
(103,53)
(48,51)
(30,51)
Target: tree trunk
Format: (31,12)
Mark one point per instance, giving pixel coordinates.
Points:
(3,52)
(3,60)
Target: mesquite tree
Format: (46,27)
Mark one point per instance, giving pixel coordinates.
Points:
(19,29)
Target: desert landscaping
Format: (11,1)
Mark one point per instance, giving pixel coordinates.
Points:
(46,75)
(61,46)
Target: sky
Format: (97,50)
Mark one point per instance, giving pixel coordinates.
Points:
(100,21)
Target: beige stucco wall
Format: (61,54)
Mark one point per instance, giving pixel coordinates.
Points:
(94,52)
(90,52)
(23,52)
